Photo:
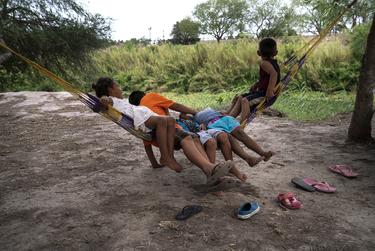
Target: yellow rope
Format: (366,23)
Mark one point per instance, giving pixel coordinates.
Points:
(111,113)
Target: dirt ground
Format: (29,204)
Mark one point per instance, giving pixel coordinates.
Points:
(72,180)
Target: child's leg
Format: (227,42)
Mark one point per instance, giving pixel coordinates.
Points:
(245,109)
(233,103)
(211,147)
(237,149)
(171,122)
(239,134)
(160,125)
(226,149)
(195,156)
(236,108)
(224,144)
(200,148)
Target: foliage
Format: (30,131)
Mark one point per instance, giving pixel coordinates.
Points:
(359,40)
(221,17)
(217,67)
(58,33)
(270,18)
(185,31)
(317,13)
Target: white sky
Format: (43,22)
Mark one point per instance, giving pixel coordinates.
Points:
(132,18)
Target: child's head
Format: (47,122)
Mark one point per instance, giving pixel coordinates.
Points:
(267,48)
(135,97)
(105,86)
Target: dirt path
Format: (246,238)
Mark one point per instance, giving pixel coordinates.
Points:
(71,180)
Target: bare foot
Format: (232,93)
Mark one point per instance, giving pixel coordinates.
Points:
(172,164)
(252,161)
(157,165)
(240,175)
(268,155)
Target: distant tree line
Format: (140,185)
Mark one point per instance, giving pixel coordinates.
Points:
(267,18)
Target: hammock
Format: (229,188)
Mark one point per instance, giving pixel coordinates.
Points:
(294,63)
(89,100)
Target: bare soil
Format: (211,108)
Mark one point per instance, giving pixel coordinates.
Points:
(72,180)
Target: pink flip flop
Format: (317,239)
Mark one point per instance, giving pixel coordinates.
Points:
(344,170)
(320,186)
(288,200)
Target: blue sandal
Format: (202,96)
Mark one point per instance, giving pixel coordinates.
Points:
(247,210)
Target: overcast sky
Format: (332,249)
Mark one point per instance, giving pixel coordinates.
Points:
(132,18)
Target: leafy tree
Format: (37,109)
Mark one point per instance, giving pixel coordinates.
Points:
(185,31)
(317,13)
(57,33)
(360,125)
(270,19)
(221,17)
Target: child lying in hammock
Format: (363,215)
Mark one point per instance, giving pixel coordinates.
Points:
(212,137)
(215,120)
(269,77)
(144,119)
(164,127)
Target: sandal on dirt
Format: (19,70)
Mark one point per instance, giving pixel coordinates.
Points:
(188,211)
(303,185)
(289,201)
(344,170)
(220,170)
(320,186)
(247,210)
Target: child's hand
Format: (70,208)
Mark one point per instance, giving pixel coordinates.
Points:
(269,94)
(202,127)
(106,101)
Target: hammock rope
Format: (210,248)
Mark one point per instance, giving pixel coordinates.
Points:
(295,62)
(89,100)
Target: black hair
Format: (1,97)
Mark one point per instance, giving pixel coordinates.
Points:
(101,86)
(268,47)
(135,97)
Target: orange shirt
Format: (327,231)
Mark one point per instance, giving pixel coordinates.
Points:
(159,105)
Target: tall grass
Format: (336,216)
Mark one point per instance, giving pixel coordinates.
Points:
(227,66)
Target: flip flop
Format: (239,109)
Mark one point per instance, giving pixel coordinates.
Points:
(289,201)
(247,210)
(188,211)
(344,170)
(320,186)
(303,185)
(220,170)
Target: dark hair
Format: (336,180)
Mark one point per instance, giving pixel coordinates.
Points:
(101,86)
(135,97)
(268,47)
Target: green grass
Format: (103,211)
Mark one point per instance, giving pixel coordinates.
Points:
(300,106)
(314,106)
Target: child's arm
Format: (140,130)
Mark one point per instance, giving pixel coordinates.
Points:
(151,157)
(183,109)
(267,67)
(106,101)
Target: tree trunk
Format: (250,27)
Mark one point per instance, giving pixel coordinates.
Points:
(360,125)
(4,56)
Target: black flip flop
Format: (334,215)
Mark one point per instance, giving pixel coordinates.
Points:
(301,184)
(188,211)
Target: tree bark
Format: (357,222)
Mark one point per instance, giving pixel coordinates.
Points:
(4,56)
(360,125)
